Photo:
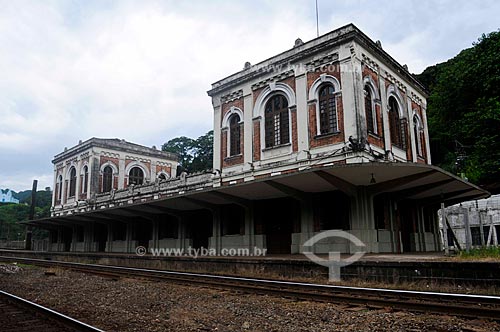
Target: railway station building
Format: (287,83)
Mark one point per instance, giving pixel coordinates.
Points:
(330,134)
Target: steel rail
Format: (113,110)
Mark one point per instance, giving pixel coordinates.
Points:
(66,321)
(468,305)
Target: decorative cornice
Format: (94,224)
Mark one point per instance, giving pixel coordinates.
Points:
(142,160)
(270,80)
(370,63)
(416,98)
(327,59)
(110,154)
(231,96)
(395,81)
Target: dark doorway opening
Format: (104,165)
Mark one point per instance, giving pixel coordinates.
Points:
(199,228)
(277,219)
(67,237)
(331,211)
(406,215)
(101,236)
(144,233)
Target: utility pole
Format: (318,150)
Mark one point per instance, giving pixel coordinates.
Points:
(317,20)
(29,233)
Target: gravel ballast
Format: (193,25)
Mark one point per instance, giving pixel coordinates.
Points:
(137,305)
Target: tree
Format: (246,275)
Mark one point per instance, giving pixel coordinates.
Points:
(204,152)
(464,107)
(195,155)
(183,147)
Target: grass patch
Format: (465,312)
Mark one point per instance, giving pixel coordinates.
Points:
(481,253)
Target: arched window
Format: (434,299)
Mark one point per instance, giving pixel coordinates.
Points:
(59,187)
(107,179)
(395,123)
(72,182)
(234,135)
(135,176)
(327,110)
(276,121)
(85,179)
(162,177)
(371,123)
(417,133)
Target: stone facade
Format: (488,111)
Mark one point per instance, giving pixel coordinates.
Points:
(87,162)
(329,135)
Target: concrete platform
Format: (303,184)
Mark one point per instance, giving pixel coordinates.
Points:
(390,268)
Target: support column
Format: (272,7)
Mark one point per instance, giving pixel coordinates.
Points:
(121,173)
(88,237)
(349,98)
(181,233)
(302,112)
(306,225)
(78,189)
(130,236)
(250,228)
(109,244)
(217,134)
(247,128)
(74,238)
(385,115)
(154,243)
(60,242)
(362,221)
(216,229)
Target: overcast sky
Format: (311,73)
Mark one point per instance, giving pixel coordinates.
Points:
(139,70)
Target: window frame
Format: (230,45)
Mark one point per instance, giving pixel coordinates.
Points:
(234,135)
(330,96)
(105,176)
(72,182)
(277,122)
(396,131)
(418,133)
(135,177)
(84,186)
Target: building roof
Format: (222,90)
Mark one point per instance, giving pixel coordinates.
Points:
(317,45)
(114,144)
(428,184)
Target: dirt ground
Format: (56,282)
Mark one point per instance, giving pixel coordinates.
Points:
(125,305)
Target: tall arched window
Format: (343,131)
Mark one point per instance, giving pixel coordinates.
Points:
(85,179)
(72,182)
(276,121)
(107,179)
(369,111)
(234,135)
(327,110)
(59,187)
(395,123)
(417,133)
(135,176)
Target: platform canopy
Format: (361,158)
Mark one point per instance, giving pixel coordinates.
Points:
(402,181)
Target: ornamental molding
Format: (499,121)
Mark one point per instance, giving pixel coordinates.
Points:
(231,96)
(272,80)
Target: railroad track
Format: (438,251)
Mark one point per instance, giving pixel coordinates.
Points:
(465,305)
(18,314)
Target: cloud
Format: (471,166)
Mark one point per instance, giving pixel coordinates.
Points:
(140,70)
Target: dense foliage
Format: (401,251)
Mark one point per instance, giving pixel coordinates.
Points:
(12,214)
(195,155)
(464,112)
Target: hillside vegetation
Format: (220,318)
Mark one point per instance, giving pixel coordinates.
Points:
(464,112)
